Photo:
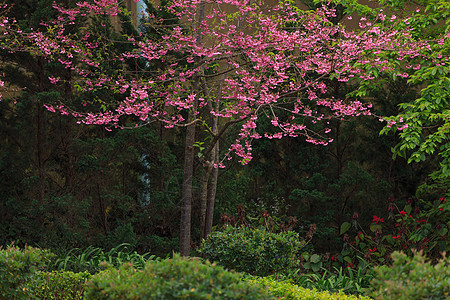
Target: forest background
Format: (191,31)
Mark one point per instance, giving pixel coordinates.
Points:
(65,185)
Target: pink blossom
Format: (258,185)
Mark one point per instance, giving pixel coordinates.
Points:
(53,80)
(404,126)
(264,68)
(49,108)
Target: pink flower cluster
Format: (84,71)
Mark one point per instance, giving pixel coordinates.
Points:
(237,71)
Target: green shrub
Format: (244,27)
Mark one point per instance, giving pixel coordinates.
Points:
(412,278)
(287,290)
(255,251)
(18,267)
(187,278)
(58,285)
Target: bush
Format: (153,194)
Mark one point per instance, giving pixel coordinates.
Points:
(58,285)
(412,278)
(187,278)
(18,267)
(255,251)
(287,290)
(424,228)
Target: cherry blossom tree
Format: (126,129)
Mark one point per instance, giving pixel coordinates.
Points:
(222,64)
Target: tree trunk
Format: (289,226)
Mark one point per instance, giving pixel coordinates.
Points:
(214,160)
(212,193)
(67,140)
(40,136)
(186,192)
(204,197)
(39,147)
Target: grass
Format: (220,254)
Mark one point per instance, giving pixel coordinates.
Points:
(93,259)
(349,281)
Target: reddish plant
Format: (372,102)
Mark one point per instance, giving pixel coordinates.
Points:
(406,231)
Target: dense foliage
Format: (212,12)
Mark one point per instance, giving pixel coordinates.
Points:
(287,290)
(64,285)
(254,251)
(173,279)
(94,259)
(23,275)
(18,268)
(66,185)
(412,278)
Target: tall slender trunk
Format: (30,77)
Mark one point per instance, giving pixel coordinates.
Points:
(212,194)
(68,137)
(186,202)
(214,160)
(39,147)
(186,191)
(210,197)
(39,136)
(204,197)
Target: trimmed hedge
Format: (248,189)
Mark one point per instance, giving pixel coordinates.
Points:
(186,278)
(286,290)
(59,285)
(412,278)
(254,251)
(19,267)
(22,276)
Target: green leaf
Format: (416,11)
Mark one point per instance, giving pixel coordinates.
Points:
(408,209)
(345,227)
(443,246)
(373,227)
(316,267)
(315,258)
